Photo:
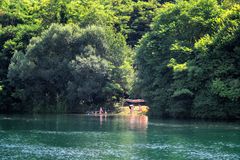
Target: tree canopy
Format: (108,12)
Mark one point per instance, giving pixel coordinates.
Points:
(22,20)
(181,56)
(76,66)
(187,64)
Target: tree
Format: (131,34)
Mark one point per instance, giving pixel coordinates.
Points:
(173,77)
(218,58)
(72,67)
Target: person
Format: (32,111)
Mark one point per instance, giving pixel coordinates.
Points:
(100,110)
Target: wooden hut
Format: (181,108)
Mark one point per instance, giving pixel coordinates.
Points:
(134,102)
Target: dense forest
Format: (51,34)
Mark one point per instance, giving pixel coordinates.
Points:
(65,56)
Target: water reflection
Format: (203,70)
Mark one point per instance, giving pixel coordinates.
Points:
(115,137)
(132,121)
(138,121)
(101,119)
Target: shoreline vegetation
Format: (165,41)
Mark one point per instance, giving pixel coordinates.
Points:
(69,56)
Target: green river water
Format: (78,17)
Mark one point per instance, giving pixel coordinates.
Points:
(115,137)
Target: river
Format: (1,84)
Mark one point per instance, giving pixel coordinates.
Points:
(50,137)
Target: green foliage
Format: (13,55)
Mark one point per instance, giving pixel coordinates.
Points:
(182,92)
(188,64)
(186,61)
(221,65)
(140,19)
(177,67)
(70,68)
(229,89)
(22,20)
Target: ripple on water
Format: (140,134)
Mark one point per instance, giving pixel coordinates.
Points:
(69,132)
(105,149)
(188,151)
(230,145)
(41,151)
